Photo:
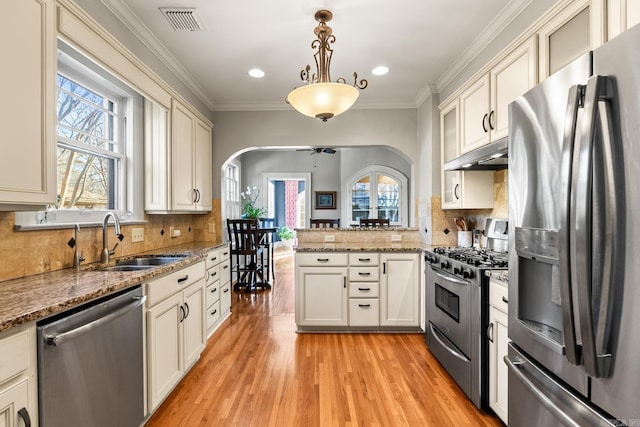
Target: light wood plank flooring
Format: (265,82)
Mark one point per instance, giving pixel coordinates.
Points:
(257,371)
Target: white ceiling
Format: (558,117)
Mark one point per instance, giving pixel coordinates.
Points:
(423,42)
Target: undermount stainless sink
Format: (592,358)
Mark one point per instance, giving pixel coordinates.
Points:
(142,263)
(150,261)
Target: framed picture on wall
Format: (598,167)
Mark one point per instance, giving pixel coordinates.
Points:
(325,199)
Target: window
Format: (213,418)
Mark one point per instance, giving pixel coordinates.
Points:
(376,192)
(99,146)
(90,155)
(232,190)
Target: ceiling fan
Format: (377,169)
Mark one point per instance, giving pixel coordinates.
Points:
(318,150)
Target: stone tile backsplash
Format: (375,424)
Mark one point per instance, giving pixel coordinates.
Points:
(23,253)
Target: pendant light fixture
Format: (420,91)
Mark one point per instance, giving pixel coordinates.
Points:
(321,97)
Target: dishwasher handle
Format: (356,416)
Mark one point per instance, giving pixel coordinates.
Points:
(58,339)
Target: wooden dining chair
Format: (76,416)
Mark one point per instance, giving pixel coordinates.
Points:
(325,223)
(245,252)
(267,243)
(374,222)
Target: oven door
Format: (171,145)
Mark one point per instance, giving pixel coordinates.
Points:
(450,308)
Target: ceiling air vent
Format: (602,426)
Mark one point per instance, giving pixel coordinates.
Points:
(183,19)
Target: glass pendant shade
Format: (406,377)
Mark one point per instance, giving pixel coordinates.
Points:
(323,100)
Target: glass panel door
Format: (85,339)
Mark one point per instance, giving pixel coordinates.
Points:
(388,190)
(360,199)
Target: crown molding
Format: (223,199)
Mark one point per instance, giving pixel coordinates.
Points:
(131,21)
(283,106)
(495,27)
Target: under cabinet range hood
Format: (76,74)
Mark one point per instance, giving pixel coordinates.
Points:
(492,156)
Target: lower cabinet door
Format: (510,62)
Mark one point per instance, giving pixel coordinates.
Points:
(225,299)
(498,371)
(364,312)
(164,348)
(400,290)
(321,296)
(14,405)
(195,333)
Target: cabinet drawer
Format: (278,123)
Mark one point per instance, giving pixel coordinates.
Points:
(14,355)
(364,289)
(364,259)
(364,274)
(225,271)
(321,259)
(213,258)
(364,312)
(499,296)
(159,289)
(213,314)
(213,274)
(213,293)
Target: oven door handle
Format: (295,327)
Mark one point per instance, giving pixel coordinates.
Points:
(450,278)
(443,342)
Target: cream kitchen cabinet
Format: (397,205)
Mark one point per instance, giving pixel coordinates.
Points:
(191,160)
(565,37)
(497,334)
(460,189)
(18,384)
(176,331)
(177,160)
(621,15)
(218,292)
(321,289)
(484,103)
(28,113)
(364,287)
(400,289)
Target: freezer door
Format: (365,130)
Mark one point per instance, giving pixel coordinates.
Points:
(538,399)
(618,394)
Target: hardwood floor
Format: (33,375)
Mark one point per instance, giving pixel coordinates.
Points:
(257,371)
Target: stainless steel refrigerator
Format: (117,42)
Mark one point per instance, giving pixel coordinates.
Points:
(574,259)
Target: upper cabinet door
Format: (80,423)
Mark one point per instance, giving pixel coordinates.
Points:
(28,113)
(474,115)
(510,78)
(203,166)
(182,156)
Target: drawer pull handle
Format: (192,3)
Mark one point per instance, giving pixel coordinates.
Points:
(214,312)
(364,289)
(214,273)
(504,300)
(226,290)
(183,279)
(364,273)
(364,305)
(225,266)
(225,253)
(364,259)
(214,258)
(323,259)
(214,290)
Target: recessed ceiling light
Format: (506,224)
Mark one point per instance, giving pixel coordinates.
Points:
(380,70)
(256,72)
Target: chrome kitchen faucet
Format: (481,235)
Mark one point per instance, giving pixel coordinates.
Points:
(106,253)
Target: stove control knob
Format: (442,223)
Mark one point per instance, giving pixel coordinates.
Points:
(467,274)
(432,259)
(445,264)
(457,270)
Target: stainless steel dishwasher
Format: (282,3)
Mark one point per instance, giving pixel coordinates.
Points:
(90,368)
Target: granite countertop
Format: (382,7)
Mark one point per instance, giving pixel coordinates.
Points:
(34,297)
(363,247)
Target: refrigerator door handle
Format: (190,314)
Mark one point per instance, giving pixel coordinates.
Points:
(566,251)
(599,94)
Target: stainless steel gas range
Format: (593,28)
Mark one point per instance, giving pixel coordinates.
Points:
(457,301)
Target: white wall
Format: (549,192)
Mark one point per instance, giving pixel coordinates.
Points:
(236,132)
